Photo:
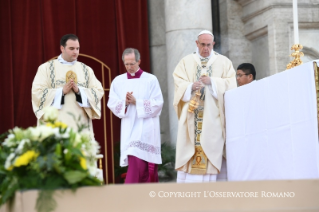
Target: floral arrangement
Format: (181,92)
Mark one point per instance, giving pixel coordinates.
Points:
(47,157)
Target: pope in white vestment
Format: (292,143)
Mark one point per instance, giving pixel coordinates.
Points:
(140,127)
(78,98)
(201,132)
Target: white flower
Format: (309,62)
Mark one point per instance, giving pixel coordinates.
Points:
(65,151)
(83,146)
(34,133)
(50,114)
(77,139)
(94,147)
(57,133)
(9,141)
(45,132)
(86,136)
(8,163)
(89,146)
(40,133)
(21,145)
(18,132)
(92,170)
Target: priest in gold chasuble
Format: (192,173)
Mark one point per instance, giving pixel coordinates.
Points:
(201,80)
(68,85)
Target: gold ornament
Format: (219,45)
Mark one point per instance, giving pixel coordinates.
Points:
(297,54)
(70,75)
(193,104)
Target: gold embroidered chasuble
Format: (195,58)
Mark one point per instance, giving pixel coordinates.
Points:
(206,126)
(52,76)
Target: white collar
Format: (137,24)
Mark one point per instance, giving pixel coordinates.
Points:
(133,74)
(61,60)
(211,53)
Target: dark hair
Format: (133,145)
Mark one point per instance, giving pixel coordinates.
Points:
(67,37)
(130,51)
(247,68)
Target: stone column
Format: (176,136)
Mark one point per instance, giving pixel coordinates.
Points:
(156,14)
(184,19)
(234,44)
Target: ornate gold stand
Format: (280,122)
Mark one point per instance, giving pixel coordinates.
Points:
(316,70)
(297,54)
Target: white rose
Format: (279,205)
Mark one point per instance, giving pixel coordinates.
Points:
(50,114)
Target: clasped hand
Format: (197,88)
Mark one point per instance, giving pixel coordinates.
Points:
(130,99)
(70,85)
(203,80)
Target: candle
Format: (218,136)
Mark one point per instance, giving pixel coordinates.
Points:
(295,13)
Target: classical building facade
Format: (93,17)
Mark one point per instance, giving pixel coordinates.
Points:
(255,31)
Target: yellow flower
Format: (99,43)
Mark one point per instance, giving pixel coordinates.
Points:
(83,163)
(56,125)
(50,125)
(60,124)
(25,158)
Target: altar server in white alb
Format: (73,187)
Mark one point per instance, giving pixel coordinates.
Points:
(136,98)
(201,80)
(68,85)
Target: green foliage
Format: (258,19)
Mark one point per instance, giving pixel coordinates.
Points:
(118,170)
(45,158)
(166,170)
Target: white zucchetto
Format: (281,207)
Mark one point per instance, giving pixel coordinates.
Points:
(205,32)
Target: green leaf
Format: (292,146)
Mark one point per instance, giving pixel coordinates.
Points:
(8,189)
(68,156)
(74,176)
(58,149)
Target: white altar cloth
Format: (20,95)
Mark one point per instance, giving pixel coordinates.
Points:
(272,127)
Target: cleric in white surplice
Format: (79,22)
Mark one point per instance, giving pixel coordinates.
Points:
(136,98)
